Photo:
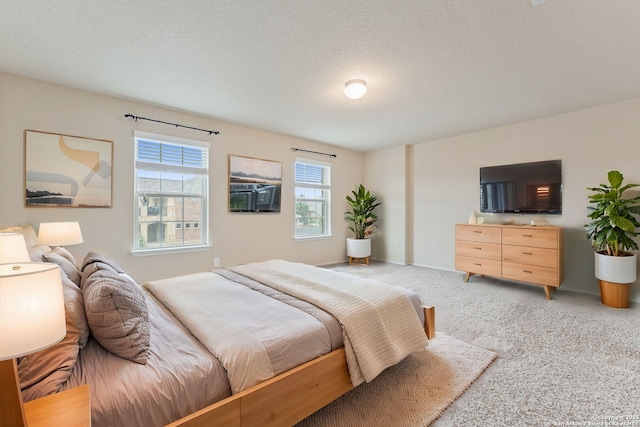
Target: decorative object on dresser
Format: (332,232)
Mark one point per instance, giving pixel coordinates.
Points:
(523,253)
(611,230)
(361,219)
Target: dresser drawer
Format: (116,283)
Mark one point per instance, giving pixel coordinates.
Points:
(530,273)
(530,237)
(489,267)
(478,249)
(478,233)
(530,256)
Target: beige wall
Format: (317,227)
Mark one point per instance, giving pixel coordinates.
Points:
(235,238)
(425,188)
(446,184)
(386,173)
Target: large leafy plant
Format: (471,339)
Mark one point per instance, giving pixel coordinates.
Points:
(361,217)
(613,224)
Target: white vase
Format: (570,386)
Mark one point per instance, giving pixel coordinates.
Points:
(358,248)
(616,269)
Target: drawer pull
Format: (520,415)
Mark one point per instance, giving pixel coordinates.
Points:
(527,253)
(477,263)
(527,235)
(527,271)
(477,231)
(476,247)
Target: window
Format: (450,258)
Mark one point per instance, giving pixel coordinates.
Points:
(171,188)
(313,189)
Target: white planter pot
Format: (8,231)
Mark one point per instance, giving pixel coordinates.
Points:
(358,248)
(616,269)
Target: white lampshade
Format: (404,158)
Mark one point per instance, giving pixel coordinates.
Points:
(59,234)
(13,248)
(355,89)
(31,308)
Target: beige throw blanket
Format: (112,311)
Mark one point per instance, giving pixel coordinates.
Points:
(380,325)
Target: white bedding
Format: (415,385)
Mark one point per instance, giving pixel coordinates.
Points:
(380,325)
(254,336)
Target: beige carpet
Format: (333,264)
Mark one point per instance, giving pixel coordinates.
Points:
(413,393)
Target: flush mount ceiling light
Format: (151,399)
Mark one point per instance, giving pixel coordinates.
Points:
(355,89)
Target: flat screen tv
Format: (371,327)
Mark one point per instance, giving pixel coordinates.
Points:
(534,187)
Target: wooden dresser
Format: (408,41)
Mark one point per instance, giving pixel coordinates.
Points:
(516,252)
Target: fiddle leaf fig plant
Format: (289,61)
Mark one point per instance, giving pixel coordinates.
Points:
(361,217)
(613,223)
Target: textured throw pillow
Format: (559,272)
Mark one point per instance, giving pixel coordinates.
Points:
(69,268)
(117,313)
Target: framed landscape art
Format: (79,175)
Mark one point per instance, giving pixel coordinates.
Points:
(254,185)
(67,171)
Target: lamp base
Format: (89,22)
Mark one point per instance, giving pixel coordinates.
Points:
(11,404)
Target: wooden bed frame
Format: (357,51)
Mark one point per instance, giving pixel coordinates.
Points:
(289,397)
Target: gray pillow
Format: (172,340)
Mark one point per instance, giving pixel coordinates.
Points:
(63,252)
(118,316)
(74,303)
(69,268)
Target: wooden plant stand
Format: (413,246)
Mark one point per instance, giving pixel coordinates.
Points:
(357,260)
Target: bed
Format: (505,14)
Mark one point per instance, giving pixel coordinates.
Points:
(184,351)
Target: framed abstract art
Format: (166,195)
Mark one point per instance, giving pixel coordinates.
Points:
(67,171)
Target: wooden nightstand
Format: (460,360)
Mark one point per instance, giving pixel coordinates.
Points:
(69,408)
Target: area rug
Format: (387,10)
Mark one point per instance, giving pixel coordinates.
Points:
(412,393)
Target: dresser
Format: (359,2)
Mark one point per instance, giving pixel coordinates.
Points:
(522,253)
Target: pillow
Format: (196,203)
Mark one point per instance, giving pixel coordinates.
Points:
(98,262)
(74,303)
(117,314)
(63,252)
(37,252)
(68,267)
(44,372)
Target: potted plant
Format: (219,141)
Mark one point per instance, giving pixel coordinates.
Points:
(361,220)
(611,230)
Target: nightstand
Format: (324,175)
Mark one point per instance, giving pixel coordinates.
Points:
(69,408)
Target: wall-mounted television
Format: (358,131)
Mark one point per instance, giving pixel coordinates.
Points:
(534,187)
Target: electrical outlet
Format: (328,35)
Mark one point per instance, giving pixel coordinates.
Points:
(216,263)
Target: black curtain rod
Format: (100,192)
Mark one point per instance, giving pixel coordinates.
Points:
(314,152)
(136,118)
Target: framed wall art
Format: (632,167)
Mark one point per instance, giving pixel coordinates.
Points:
(254,185)
(67,171)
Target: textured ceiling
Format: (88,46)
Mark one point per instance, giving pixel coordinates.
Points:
(434,68)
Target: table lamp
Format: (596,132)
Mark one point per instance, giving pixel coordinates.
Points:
(13,248)
(32,318)
(59,234)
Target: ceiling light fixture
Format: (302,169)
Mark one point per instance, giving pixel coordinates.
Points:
(355,89)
